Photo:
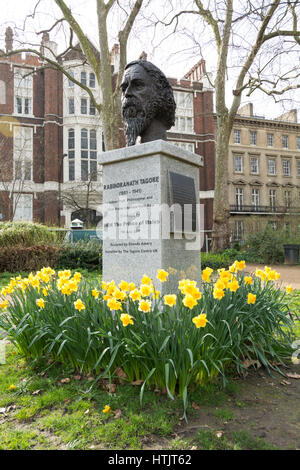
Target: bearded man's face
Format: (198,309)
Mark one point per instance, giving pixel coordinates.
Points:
(139,102)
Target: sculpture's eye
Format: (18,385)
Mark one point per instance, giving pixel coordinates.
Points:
(123,87)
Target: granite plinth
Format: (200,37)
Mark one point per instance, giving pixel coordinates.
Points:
(138,236)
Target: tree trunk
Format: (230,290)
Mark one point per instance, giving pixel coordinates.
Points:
(221,231)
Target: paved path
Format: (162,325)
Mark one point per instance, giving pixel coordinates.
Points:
(289,275)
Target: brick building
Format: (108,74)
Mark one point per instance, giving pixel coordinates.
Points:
(51,136)
(31,138)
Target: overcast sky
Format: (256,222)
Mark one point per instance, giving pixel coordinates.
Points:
(175,55)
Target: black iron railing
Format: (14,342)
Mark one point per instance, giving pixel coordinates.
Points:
(240,208)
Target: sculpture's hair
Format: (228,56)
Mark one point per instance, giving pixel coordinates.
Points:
(166,102)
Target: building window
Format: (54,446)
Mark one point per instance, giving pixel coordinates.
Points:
(285,141)
(92,108)
(287,198)
(298,142)
(92,80)
(88,155)
(271,166)
(237,136)
(71,105)
(286,167)
(70,82)
(253,137)
(83,78)
(71,154)
(239,230)
(272,198)
(185,145)
(23,207)
(298,167)
(254,165)
(23,146)
(184,119)
(238,164)
(23,90)
(270,140)
(255,197)
(83,106)
(239,197)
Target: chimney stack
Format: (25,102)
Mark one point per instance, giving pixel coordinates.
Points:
(9,37)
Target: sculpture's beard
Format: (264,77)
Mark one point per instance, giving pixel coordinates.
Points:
(136,118)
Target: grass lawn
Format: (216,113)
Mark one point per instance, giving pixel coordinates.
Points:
(51,408)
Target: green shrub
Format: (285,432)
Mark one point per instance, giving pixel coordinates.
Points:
(25,234)
(215,260)
(27,258)
(267,246)
(84,255)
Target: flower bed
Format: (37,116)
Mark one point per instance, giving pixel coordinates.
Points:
(175,341)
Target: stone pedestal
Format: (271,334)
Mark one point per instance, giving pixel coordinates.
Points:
(140,234)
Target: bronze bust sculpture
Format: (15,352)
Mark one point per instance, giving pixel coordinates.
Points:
(148,104)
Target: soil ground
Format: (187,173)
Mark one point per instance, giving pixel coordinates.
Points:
(265,407)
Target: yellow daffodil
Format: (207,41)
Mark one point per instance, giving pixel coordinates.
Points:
(79,305)
(145,306)
(258,272)
(126,319)
(248,280)
(106,409)
(162,275)
(288,289)
(65,274)
(119,294)
(200,321)
(156,294)
(3,304)
(233,286)
(131,286)
(44,292)
(218,293)
(170,300)
(146,279)
(277,276)
(113,304)
(145,290)
(220,284)
(135,295)
(251,298)
(240,265)
(12,387)
(124,286)
(206,275)
(95,293)
(40,303)
(77,277)
(189,301)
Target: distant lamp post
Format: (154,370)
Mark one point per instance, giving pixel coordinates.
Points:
(60,180)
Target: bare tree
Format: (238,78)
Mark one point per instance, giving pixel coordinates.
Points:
(110,106)
(83,196)
(257,45)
